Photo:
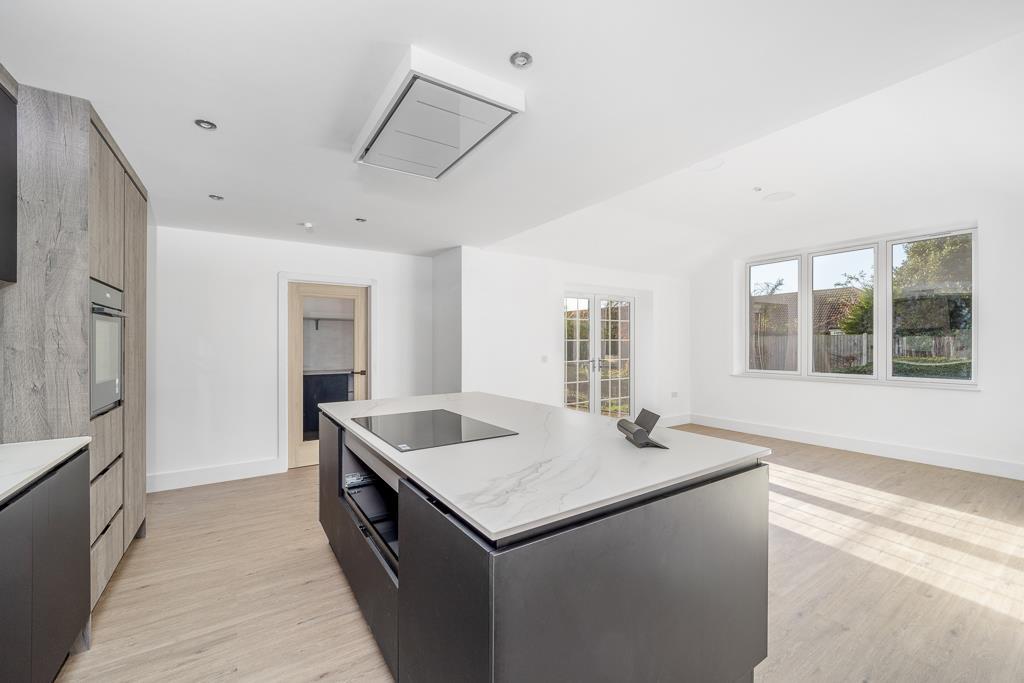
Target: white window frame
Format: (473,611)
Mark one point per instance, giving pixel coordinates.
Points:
(809,322)
(882,318)
(928,381)
(799,312)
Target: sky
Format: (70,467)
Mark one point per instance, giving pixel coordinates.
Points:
(827,269)
(789,271)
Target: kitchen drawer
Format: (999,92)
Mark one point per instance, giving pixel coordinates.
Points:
(107,432)
(372,582)
(106,494)
(105,555)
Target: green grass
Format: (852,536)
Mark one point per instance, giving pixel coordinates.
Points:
(930,367)
(924,367)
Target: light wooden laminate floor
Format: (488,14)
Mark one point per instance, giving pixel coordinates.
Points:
(879,570)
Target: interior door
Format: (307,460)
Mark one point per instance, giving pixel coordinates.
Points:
(599,354)
(328,358)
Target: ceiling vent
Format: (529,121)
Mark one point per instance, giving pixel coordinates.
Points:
(433,113)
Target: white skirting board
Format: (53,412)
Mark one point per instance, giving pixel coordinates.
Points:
(958,461)
(165,481)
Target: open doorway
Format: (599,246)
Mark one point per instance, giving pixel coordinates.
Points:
(327,359)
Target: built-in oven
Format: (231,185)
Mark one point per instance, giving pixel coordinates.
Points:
(106,341)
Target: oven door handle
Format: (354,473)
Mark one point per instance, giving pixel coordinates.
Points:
(110,313)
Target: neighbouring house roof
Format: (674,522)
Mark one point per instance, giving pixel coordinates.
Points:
(774,313)
(831,306)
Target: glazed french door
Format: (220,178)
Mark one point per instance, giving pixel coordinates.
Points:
(598,336)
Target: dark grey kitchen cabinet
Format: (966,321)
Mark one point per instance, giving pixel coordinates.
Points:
(330,482)
(677,584)
(16,590)
(373,582)
(60,564)
(44,573)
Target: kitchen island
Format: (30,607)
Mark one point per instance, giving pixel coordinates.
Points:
(558,553)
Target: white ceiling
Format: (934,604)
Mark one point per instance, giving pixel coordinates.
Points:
(941,150)
(621,93)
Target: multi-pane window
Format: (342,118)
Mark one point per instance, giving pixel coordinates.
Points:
(843,312)
(917,323)
(932,307)
(774,308)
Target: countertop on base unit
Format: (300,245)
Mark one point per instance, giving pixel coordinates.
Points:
(562,463)
(23,463)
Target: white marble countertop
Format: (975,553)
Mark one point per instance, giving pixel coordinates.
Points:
(562,463)
(25,462)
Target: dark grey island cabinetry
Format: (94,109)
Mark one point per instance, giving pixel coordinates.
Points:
(44,563)
(558,553)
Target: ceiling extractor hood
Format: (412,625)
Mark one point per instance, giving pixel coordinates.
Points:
(432,114)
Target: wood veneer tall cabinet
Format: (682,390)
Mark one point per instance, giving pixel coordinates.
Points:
(135,231)
(118,213)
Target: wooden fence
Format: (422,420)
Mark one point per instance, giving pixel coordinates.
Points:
(834,352)
(773,352)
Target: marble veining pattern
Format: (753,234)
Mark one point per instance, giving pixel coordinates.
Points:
(23,463)
(561,464)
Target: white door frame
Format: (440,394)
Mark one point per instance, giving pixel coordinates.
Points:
(283,279)
(595,296)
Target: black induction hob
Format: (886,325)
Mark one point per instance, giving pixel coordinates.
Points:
(429,428)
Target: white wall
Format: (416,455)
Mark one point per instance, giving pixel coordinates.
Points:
(447,316)
(973,430)
(941,150)
(512,341)
(213,368)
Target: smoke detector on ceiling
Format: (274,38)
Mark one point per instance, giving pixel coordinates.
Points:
(432,114)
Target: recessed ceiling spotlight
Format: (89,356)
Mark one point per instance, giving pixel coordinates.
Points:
(757,188)
(216,197)
(778,196)
(305,224)
(206,125)
(360,220)
(708,165)
(520,60)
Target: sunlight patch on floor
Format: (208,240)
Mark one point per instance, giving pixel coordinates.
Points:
(993,534)
(915,547)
